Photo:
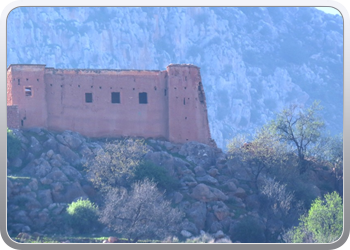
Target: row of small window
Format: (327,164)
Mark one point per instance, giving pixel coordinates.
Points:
(115,97)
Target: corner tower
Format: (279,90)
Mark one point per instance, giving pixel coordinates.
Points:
(26,90)
(188,119)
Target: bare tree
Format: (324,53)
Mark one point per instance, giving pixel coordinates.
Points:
(115,162)
(140,214)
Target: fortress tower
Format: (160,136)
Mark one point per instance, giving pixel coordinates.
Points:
(166,104)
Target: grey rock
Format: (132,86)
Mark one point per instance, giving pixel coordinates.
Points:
(50,153)
(162,159)
(213,172)
(199,171)
(207,179)
(33,184)
(177,198)
(220,210)
(240,193)
(57,175)
(71,173)
(71,139)
(35,146)
(45,198)
(51,144)
(16,162)
(68,155)
(197,214)
(205,193)
(190,227)
(186,234)
(199,154)
(215,226)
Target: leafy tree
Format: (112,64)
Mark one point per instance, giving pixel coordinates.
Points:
(82,215)
(299,128)
(157,174)
(140,214)
(322,224)
(13,144)
(262,154)
(115,163)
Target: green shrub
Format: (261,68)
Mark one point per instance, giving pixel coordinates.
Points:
(82,216)
(322,224)
(13,144)
(158,174)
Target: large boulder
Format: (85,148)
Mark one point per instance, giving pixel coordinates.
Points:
(68,155)
(71,139)
(162,159)
(197,214)
(205,193)
(70,193)
(199,154)
(45,197)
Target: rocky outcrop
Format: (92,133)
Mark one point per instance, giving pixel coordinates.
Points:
(214,191)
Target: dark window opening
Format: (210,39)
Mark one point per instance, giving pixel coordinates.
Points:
(185,78)
(174,87)
(78,86)
(19,82)
(92,86)
(185,87)
(164,92)
(200,93)
(186,139)
(37,80)
(110,87)
(51,85)
(61,86)
(28,91)
(115,97)
(184,101)
(143,98)
(100,87)
(155,88)
(27,79)
(88,97)
(186,118)
(133,88)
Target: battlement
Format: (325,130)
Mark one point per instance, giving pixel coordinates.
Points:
(167,104)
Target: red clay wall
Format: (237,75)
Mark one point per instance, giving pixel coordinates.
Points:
(188,119)
(13,120)
(175,109)
(32,109)
(68,110)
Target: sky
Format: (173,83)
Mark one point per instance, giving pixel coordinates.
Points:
(329,10)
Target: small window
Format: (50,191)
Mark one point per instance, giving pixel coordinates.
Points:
(28,91)
(115,97)
(143,98)
(19,82)
(88,97)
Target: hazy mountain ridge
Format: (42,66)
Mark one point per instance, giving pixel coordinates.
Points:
(254,61)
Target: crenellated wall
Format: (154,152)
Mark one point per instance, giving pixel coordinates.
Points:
(81,101)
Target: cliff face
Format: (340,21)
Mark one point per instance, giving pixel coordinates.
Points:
(254,61)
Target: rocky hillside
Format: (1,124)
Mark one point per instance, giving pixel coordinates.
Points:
(254,61)
(215,192)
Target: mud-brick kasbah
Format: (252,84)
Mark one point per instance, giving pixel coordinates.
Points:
(167,104)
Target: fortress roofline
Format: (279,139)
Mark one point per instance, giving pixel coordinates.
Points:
(34,65)
(182,65)
(99,70)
